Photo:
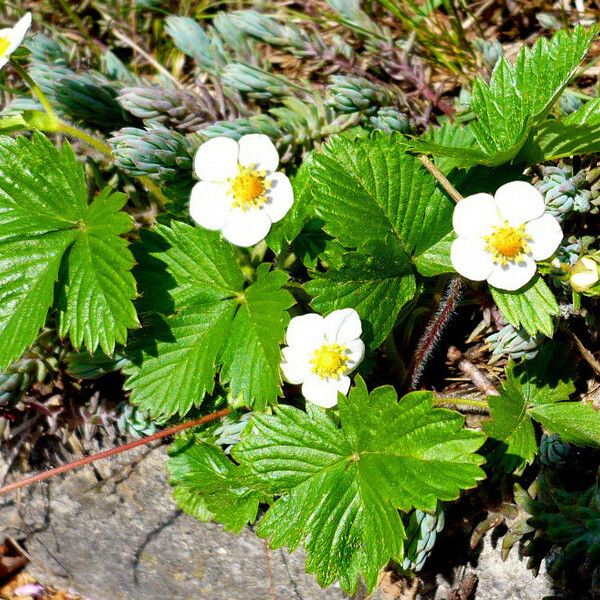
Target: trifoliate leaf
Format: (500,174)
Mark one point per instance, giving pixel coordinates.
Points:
(48,232)
(510,428)
(374,197)
(376,286)
(531,307)
(192,276)
(537,389)
(340,488)
(206,485)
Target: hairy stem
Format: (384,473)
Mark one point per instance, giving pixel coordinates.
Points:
(112,452)
(436,326)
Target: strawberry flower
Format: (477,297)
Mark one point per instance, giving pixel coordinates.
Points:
(321,353)
(239,192)
(501,237)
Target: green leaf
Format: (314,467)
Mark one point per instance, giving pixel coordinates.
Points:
(97,306)
(206,485)
(436,260)
(519,97)
(575,422)
(48,233)
(538,389)
(453,145)
(511,426)
(578,133)
(180,266)
(370,189)
(28,273)
(531,307)
(251,355)
(175,358)
(190,275)
(340,488)
(376,198)
(377,286)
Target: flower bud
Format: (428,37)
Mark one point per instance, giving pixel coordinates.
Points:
(584,274)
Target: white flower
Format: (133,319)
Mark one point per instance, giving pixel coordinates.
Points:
(500,237)
(12,37)
(584,274)
(239,192)
(321,353)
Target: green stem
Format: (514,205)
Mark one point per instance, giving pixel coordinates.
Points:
(443,181)
(458,402)
(90,140)
(34,88)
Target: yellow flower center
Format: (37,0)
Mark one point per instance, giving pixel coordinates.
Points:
(330,360)
(249,188)
(507,244)
(4,45)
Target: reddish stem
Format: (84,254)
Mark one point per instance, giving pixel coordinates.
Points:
(106,453)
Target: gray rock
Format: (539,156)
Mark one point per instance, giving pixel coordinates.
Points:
(122,538)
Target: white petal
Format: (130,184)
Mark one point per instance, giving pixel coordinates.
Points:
(324,392)
(210,205)
(514,275)
(519,202)
(3,62)
(356,352)
(306,331)
(470,259)
(257,149)
(546,235)
(281,197)
(18,33)
(342,326)
(295,365)
(217,159)
(474,216)
(246,227)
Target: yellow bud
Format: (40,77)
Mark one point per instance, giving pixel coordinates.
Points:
(584,274)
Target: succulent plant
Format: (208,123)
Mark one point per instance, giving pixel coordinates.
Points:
(421,532)
(564,192)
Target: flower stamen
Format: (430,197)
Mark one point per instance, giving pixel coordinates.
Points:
(249,188)
(330,360)
(4,45)
(508,244)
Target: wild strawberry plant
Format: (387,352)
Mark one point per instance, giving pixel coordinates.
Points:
(278,276)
